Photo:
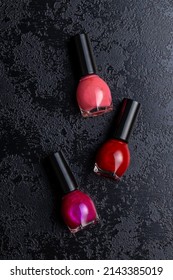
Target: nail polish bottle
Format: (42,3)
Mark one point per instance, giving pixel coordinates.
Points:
(77,208)
(113,158)
(93,94)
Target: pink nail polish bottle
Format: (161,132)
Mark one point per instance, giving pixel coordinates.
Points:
(93,94)
(77,208)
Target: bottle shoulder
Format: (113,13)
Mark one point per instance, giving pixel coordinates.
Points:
(89,77)
(115,144)
(75,196)
(92,80)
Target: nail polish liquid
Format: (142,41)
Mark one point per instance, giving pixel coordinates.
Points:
(78,210)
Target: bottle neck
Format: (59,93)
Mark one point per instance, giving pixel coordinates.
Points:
(120,140)
(69,193)
(88,77)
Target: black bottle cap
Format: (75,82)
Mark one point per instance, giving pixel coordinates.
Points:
(62,172)
(84,55)
(126,119)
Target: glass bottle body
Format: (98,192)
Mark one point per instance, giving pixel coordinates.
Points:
(112,159)
(93,96)
(78,210)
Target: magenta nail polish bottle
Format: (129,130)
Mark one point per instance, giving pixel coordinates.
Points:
(77,208)
(93,94)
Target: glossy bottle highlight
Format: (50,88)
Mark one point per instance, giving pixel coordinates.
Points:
(113,158)
(77,208)
(93,94)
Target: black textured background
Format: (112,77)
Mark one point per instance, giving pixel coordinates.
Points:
(133,45)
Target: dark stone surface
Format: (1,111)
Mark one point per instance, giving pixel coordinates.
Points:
(133,45)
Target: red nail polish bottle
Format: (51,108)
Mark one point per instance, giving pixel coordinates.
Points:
(93,94)
(113,158)
(77,208)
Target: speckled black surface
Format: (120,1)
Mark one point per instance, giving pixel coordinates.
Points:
(133,45)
